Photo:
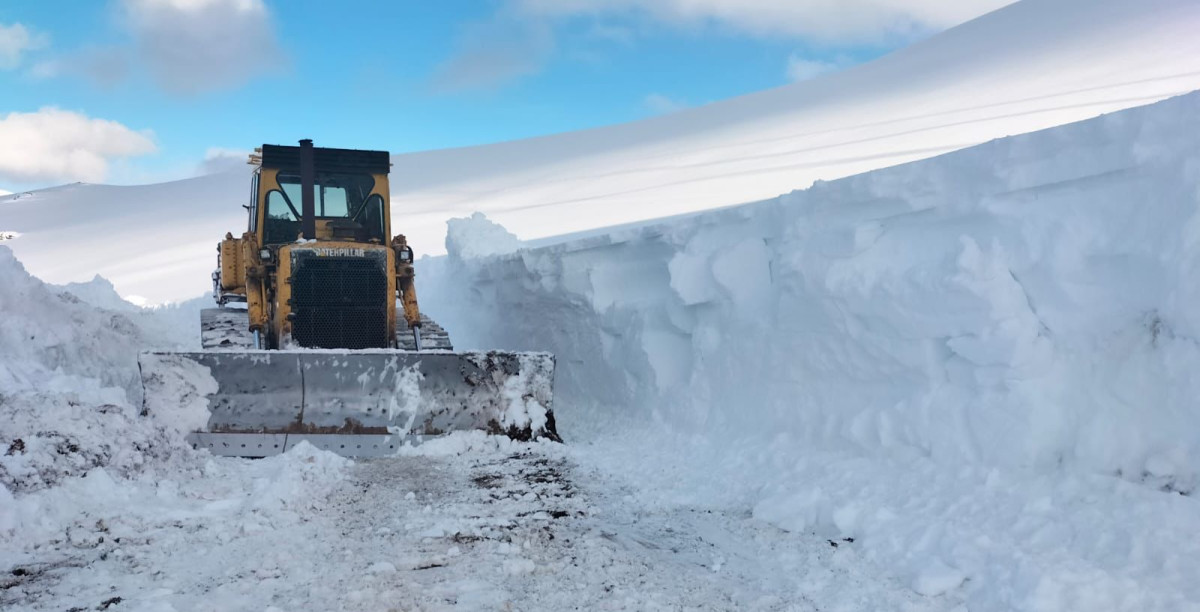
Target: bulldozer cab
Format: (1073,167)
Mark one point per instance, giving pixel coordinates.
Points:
(348,192)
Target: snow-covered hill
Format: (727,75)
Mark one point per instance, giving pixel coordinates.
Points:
(1031,65)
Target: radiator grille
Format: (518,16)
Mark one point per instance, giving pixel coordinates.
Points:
(339,302)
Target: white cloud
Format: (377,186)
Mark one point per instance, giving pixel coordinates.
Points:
(15,40)
(194,46)
(490,54)
(662,105)
(829,21)
(58,145)
(800,68)
(219,159)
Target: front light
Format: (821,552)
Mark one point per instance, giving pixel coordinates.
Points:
(265,254)
(406,255)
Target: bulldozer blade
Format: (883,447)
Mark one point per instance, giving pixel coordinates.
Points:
(356,403)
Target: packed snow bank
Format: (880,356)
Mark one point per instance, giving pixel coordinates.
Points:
(1032,65)
(1023,303)
(70,394)
(960,363)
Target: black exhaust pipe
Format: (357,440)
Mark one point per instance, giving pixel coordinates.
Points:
(308,207)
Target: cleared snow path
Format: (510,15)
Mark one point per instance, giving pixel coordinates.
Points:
(470,523)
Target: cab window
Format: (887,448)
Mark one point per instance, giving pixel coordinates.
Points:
(282,220)
(337,197)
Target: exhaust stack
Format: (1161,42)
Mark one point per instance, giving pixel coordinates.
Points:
(308,207)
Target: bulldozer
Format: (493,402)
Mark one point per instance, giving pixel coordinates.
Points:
(317,335)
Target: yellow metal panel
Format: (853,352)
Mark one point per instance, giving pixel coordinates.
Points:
(257,283)
(283,295)
(384,190)
(391,305)
(267,182)
(233,268)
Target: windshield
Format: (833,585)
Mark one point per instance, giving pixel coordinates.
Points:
(335,195)
(343,199)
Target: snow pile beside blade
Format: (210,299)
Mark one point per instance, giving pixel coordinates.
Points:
(69,391)
(177,388)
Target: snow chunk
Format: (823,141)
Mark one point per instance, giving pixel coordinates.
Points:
(405,398)
(476,236)
(295,474)
(179,390)
(315,460)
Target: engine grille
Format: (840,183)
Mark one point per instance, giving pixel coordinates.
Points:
(339,302)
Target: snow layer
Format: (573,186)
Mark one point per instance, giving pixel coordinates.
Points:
(1032,65)
(962,361)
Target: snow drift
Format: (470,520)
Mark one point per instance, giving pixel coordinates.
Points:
(1028,302)
(1032,65)
(979,368)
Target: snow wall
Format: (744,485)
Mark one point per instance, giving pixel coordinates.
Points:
(70,391)
(1031,301)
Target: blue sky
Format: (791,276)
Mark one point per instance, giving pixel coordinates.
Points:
(183,77)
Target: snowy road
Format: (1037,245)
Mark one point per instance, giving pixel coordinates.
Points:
(494,526)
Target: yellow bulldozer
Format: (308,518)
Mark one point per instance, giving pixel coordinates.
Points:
(318,336)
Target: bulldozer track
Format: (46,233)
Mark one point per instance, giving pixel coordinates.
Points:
(433,336)
(225,328)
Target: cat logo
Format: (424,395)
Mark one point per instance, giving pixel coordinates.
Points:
(340,252)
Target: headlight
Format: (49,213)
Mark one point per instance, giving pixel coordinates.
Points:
(406,255)
(265,254)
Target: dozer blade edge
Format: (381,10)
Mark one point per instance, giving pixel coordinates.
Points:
(356,403)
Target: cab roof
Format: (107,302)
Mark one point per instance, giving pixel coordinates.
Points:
(287,158)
